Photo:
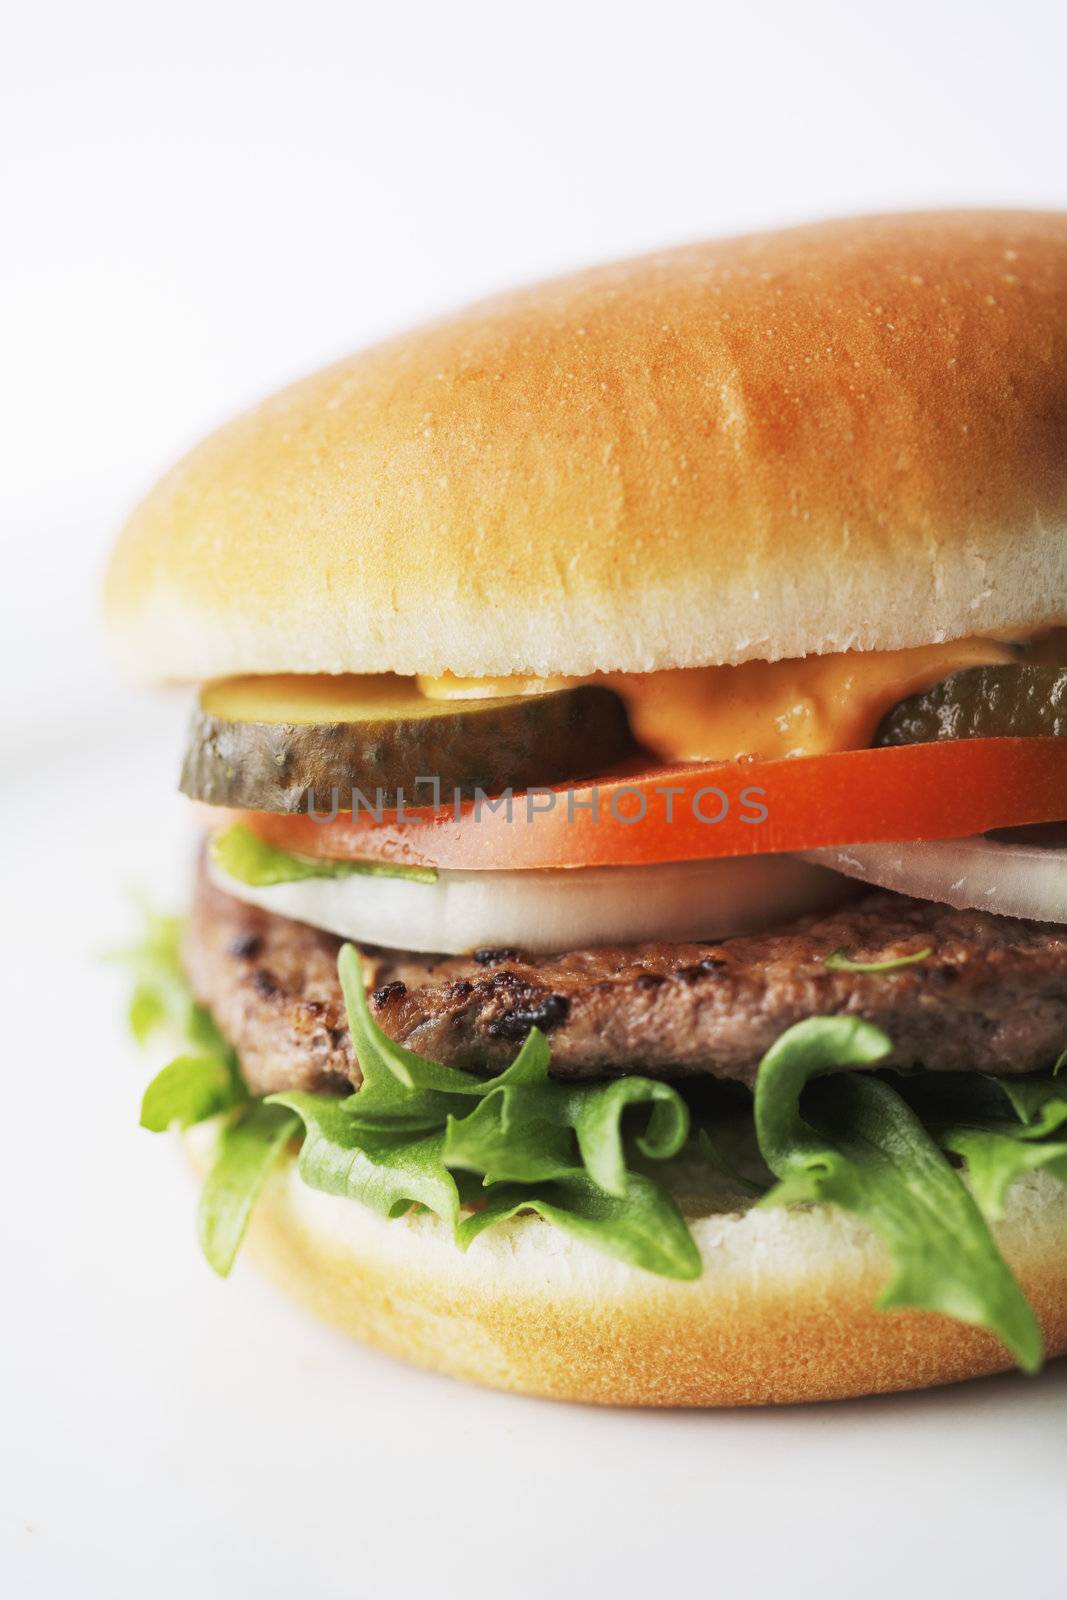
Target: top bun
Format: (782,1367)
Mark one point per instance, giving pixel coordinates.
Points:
(844,436)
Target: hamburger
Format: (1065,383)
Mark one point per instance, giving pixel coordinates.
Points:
(627,957)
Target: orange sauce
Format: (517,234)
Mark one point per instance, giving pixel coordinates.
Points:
(771,709)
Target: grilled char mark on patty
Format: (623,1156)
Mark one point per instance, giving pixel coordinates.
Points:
(992,997)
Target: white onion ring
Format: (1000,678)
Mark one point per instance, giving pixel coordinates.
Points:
(564,909)
(1012,880)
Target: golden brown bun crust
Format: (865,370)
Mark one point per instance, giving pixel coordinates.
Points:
(783,1313)
(849,435)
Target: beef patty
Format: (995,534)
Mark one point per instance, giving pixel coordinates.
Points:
(992,996)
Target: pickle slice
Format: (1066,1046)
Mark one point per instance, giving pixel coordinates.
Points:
(291,744)
(983,703)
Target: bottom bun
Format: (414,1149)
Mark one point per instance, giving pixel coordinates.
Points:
(784,1311)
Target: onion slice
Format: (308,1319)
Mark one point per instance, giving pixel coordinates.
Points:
(555,909)
(1012,880)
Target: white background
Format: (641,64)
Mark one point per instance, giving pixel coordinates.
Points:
(199,202)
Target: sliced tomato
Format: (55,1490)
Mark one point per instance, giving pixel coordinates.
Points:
(682,813)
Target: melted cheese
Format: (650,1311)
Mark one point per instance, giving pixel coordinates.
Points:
(762,708)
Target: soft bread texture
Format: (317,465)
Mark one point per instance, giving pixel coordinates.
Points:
(784,1311)
(843,436)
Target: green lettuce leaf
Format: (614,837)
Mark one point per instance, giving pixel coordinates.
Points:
(522,1113)
(502,1145)
(1039,1103)
(190,1089)
(1029,1108)
(252,860)
(522,1130)
(1000,1128)
(160,997)
(643,1226)
(558,1149)
(399,1087)
(860,1146)
(248,1149)
(839,960)
(147,1012)
(597,1123)
(204,1079)
(390,1172)
(994,1160)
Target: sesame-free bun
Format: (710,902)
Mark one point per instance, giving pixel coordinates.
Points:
(784,1310)
(843,436)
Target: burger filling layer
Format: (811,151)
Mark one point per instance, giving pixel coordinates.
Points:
(578,1043)
(594,1088)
